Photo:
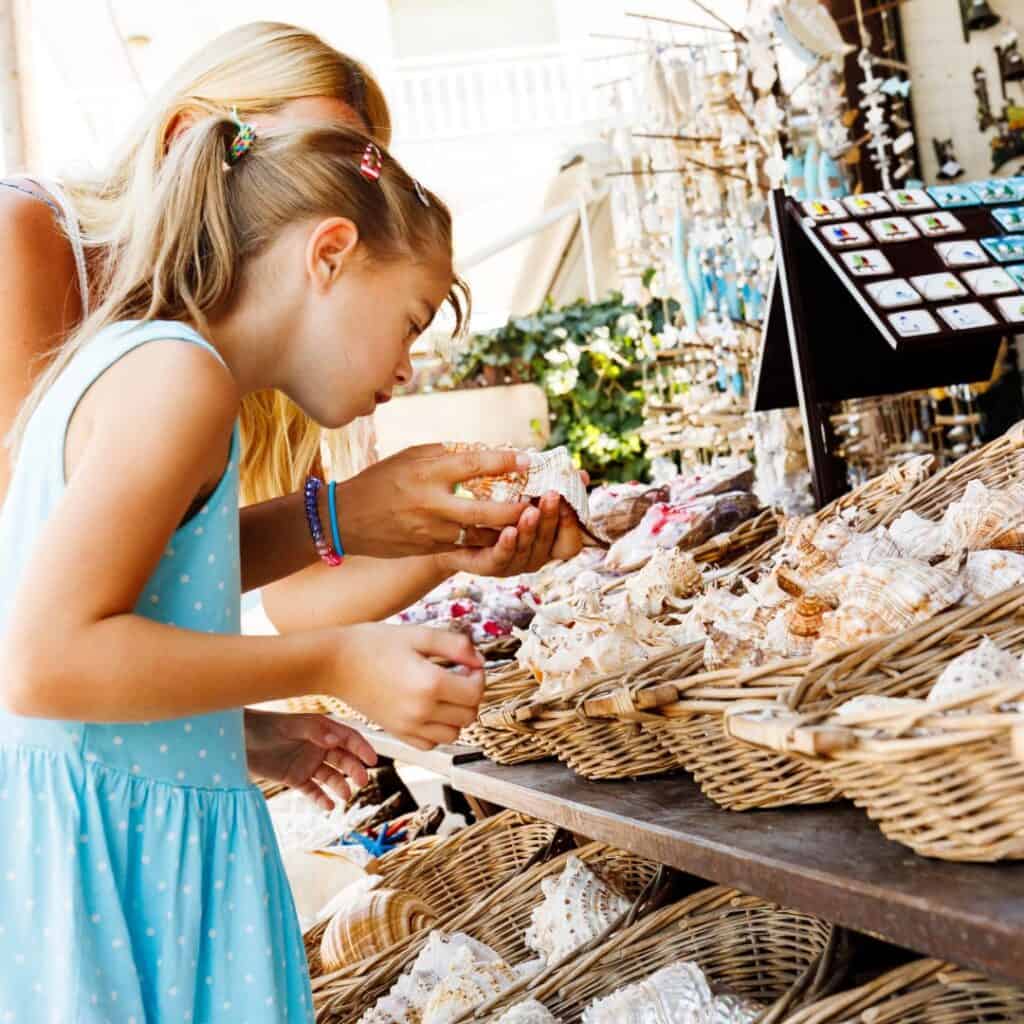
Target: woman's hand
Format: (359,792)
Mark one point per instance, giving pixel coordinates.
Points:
(310,753)
(548,533)
(404,505)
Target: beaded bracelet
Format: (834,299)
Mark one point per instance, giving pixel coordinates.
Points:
(323,547)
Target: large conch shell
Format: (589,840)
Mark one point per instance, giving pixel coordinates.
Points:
(678,994)
(813,546)
(577,907)
(375,920)
(468,983)
(980,668)
(984,518)
(617,508)
(528,1012)
(441,956)
(987,573)
(549,471)
(880,598)
(869,547)
(730,1009)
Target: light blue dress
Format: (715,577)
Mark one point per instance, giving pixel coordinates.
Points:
(140,879)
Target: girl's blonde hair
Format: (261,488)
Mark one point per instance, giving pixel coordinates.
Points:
(255,69)
(205,221)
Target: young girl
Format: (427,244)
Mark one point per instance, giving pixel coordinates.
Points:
(141,881)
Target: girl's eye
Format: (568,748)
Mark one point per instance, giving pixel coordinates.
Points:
(414,329)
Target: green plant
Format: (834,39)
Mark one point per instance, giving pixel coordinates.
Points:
(587,357)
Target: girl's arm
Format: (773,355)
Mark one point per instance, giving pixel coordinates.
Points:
(154,433)
(39,301)
(370,589)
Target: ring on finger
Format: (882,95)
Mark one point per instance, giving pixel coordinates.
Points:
(460,541)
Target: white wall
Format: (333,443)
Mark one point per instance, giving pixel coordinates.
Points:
(942,90)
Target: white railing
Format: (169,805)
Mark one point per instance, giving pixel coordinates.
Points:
(499,92)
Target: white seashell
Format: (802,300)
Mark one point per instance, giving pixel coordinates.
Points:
(984,666)
(917,537)
(467,984)
(530,1012)
(983,518)
(577,906)
(677,994)
(668,574)
(730,1009)
(870,704)
(869,547)
(814,28)
(987,573)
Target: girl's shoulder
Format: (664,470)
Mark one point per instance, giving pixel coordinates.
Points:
(32,233)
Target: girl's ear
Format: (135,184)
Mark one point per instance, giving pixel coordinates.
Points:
(331,248)
(178,125)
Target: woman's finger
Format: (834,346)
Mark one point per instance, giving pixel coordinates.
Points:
(334,735)
(550,516)
(456,715)
(329,778)
(349,765)
(494,515)
(312,791)
(529,524)
(457,467)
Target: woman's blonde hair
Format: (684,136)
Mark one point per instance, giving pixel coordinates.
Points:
(205,221)
(254,69)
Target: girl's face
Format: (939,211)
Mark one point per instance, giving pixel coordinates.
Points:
(348,347)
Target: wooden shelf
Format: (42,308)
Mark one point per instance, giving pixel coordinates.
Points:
(830,861)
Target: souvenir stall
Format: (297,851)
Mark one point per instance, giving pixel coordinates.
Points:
(740,760)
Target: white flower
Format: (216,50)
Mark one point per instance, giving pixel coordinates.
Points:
(561,382)
(556,357)
(572,350)
(561,333)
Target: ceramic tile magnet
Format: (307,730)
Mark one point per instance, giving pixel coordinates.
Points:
(950,196)
(842,236)
(990,281)
(910,199)
(1009,218)
(994,191)
(937,287)
(1017,273)
(1005,248)
(892,229)
(893,293)
(913,322)
(1012,308)
(866,263)
(938,223)
(867,203)
(966,316)
(961,254)
(825,209)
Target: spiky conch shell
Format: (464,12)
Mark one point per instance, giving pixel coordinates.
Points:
(885,597)
(917,537)
(528,1012)
(668,574)
(980,668)
(813,546)
(468,983)
(577,906)
(374,921)
(983,518)
(869,547)
(549,471)
(987,573)
(678,993)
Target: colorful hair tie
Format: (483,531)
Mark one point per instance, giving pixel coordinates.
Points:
(332,505)
(421,193)
(323,547)
(243,140)
(372,163)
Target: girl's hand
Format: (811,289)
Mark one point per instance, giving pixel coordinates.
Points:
(386,672)
(548,533)
(310,753)
(404,505)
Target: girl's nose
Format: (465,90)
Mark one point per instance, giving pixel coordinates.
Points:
(403,374)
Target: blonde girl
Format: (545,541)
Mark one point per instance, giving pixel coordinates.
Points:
(140,860)
(59,248)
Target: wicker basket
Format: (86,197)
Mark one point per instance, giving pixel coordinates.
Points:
(498,919)
(921,992)
(449,873)
(690,720)
(746,946)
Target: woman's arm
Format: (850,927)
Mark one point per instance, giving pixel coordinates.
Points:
(39,300)
(158,426)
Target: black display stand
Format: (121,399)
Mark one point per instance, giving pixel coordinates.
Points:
(824,340)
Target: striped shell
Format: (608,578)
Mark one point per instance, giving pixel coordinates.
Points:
(468,984)
(987,573)
(984,518)
(577,906)
(668,574)
(880,598)
(813,546)
(375,920)
(678,993)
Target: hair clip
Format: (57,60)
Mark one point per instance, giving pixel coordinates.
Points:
(243,140)
(372,163)
(421,192)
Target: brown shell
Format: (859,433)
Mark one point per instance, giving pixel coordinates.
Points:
(627,513)
(373,921)
(806,617)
